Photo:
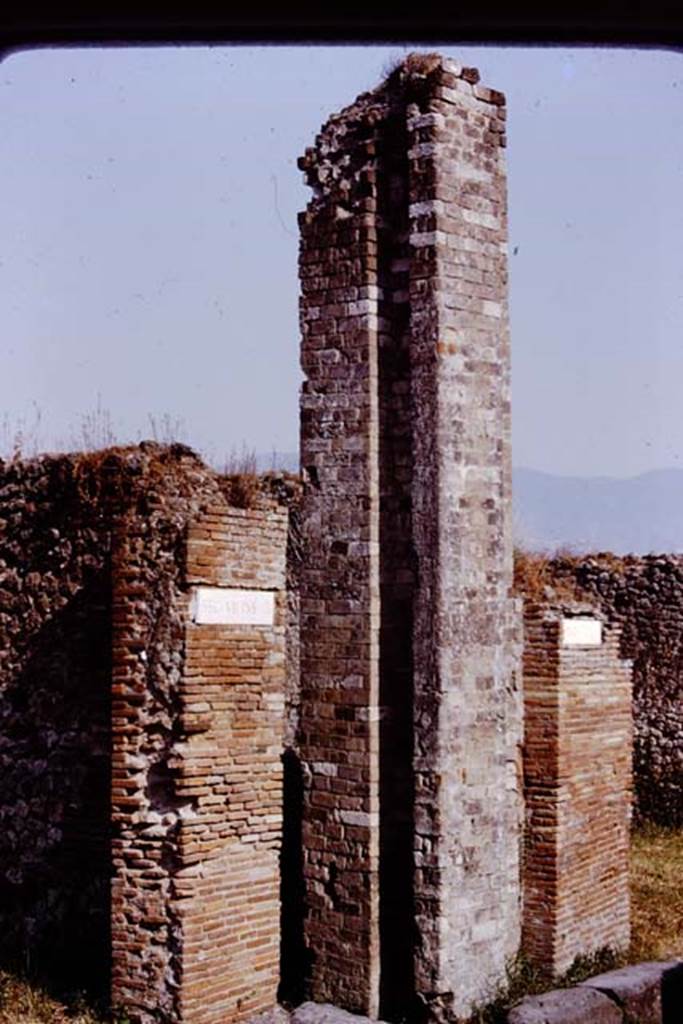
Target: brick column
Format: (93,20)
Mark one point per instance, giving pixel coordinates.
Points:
(466,636)
(406,614)
(229,774)
(198,732)
(577,769)
(147,634)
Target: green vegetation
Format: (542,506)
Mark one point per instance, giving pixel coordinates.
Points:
(523,979)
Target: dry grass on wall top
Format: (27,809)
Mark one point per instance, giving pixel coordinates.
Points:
(552,576)
(121,473)
(536,577)
(260,490)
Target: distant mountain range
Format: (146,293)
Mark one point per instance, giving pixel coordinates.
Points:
(638,515)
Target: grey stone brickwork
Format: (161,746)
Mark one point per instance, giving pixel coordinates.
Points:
(410,702)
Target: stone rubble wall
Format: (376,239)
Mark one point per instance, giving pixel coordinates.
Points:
(644,596)
(577,775)
(55,609)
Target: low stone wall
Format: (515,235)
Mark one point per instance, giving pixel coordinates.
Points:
(645,597)
(650,993)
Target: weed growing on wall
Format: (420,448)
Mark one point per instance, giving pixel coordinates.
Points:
(524,979)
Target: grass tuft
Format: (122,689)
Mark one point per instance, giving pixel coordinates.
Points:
(536,578)
(24,1002)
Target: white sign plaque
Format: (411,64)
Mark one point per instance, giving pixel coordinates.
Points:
(581,633)
(232,607)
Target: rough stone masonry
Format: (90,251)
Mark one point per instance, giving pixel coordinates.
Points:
(410,700)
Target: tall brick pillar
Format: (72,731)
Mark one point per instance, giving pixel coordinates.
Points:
(410,715)
(466,634)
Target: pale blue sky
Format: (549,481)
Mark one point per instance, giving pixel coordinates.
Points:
(149,242)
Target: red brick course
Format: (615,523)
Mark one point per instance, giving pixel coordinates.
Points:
(577,770)
(196,893)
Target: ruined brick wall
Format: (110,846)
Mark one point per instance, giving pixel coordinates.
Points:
(466,635)
(410,708)
(644,595)
(577,775)
(230,767)
(339,728)
(58,516)
(141,797)
(229,771)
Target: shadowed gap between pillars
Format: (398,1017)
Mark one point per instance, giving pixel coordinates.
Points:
(397,581)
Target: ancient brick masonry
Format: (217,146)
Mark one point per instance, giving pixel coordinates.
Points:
(138,743)
(386,730)
(410,710)
(644,596)
(577,769)
(58,515)
(197,778)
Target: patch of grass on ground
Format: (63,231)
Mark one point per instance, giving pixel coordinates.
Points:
(656,894)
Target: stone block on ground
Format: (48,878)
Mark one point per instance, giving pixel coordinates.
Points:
(567,1006)
(276,1015)
(325,1013)
(650,993)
